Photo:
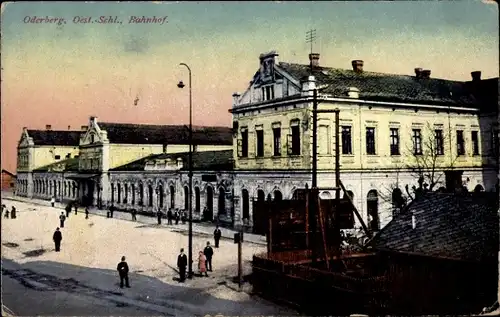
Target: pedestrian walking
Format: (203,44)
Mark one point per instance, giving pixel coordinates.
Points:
(134,215)
(52,201)
(68,210)
(57,237)
(202,263)
(217,235)
(6,213)
(122,269)
(184,217)
(13,213)
(76,208)
(209,252)
(86,212)
(169,217)
(159,217)
(181,264)
(176,215)
(111,210)
(62,218)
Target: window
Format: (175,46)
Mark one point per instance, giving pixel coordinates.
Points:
(268,92)
(395,141)
(417,142)
(295,139)
(92,138)
(277,141)
(460,142)
(57,157)
(260,143)
(346,140)
(244,143)
(370,141)
(475,143)
(438,134)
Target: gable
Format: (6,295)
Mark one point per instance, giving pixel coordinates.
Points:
(93,135)
(24,141)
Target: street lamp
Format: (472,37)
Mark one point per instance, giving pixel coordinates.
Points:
(190,173)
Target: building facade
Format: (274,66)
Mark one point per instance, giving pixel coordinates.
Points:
(8,181)
(393,130)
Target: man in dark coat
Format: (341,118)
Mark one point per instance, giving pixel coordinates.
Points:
(159,216)
(57,237)
(169,216)
(111,210)
(134,215)
(68,210)
(62,218)
(209,252)
(122,269)
(86,212)
(13,213)
(177,216)
(181,264)
(217,235)
(76,208)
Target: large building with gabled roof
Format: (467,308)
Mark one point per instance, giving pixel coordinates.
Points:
(393,130)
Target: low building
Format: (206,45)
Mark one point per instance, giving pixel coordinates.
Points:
(442,254)
(8,181)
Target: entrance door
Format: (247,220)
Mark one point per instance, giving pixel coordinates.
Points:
(90,193)
(209,216)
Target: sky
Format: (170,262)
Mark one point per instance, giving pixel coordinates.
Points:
(63,74)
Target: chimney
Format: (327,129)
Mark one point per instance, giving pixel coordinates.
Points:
(25,129)
(418,72)
(476,75)
(426,73)
(84,128)
(69,127)
(314,59)
(93,119)
(357,66)
(48,127)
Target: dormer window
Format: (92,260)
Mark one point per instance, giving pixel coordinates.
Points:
(267,92)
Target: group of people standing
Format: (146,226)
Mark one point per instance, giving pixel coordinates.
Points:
(204,258)
(12,214)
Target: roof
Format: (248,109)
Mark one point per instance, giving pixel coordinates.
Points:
(7,172)
(56,138)
(452,226)
(67,165)
(388,87)
(206,160)
(126,133)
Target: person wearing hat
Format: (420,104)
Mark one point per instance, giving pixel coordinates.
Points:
(57,237)
(122,269)
(181,264)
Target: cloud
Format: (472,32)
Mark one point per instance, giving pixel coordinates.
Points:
(490,2)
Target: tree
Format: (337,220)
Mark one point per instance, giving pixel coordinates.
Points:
(425,159)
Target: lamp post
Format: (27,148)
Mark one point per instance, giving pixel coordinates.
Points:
(190,173)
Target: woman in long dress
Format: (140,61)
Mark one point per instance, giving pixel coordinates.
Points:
(202,263)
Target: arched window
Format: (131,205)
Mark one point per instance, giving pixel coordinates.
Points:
(141,194)
(278,196)
(74,189)
(125,193)
(222,201)
(209,212)
(261,196)
(160,193)
(478,188)
(372,209)
(186,198)
(398,201)
(245,204)
(197,202)
(112,193)
(150,195)
(133,194)
(172,196)
(119,193)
